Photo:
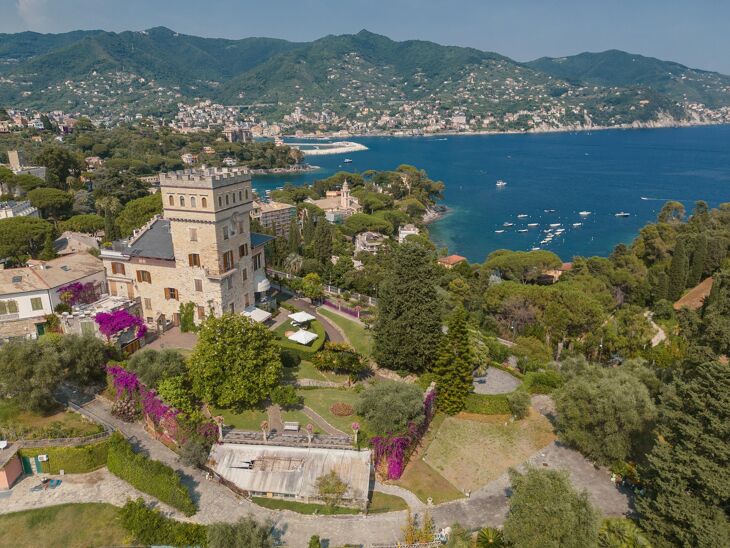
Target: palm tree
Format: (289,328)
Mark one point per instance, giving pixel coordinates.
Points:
(490,538)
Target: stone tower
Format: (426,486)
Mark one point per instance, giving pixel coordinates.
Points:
(208,210)
(345,196)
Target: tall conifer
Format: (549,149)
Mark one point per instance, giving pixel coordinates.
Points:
(454,365)
(677,271)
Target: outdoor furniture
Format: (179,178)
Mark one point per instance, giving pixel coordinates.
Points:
(54,483)
(301,318)
(303,337)
(256,314)
(291,427)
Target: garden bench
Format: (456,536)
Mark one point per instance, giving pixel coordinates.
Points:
(291,427)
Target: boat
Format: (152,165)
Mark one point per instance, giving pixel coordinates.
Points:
(576,225)
(622,214)
(522,230)
(522,216)
(535,249)
(584,213)
(532,225)
(545,242)
(554,225)
(508,224)
(498,231)
(347,161)
(501,183)
(549,210)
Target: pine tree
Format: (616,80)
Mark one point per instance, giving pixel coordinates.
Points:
(48,252)
(687,473)
(677,271)
(408,329)
(699,257)
(454,365)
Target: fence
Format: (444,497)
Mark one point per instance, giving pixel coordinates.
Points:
(329,289)
(354,312)
(65,442)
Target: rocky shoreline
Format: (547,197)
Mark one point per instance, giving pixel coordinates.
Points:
(299,168)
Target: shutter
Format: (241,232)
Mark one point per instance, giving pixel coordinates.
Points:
(167,293)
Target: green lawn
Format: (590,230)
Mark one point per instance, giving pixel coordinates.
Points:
(58,423)
(302,507)
(320,399)
(246,420)
(359,337)
(68,525)
(306,370)
(382,502)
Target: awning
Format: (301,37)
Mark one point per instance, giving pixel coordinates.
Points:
(301,317)
(256,314)
(302,337)
(261,283)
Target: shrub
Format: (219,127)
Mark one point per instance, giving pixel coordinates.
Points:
(126,409)
(286,397)
(289,358)
(389,407)
(341,409)
(72,460)
(519,403)
(246,532)
(147,475)
(305,352)
(543,382)
(151,366)
(194,452)
(487,404)
(149,527)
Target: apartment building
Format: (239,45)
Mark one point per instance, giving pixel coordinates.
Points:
(274,215)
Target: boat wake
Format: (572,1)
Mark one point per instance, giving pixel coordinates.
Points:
(646,199)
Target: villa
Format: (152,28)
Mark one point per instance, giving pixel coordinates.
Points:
(369,242)
(338,205)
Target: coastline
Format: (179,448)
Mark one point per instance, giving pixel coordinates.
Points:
(537,131)
(300,168)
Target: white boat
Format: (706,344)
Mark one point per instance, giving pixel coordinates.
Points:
(622,214)
(522,230)
(576,225)
(508,224)
(347,161)
(584,213)
(499,231)
(547,231)
(501,183)
(532,225)
(522,216)
(545,242)
(554,225)
(560,231)
(549,210)
(535,249)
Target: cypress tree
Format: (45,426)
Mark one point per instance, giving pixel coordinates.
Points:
(687,473)
(454,365)
(699,257)
(677,271)
(322,242)
(295,239)
(408,328)
(308,229)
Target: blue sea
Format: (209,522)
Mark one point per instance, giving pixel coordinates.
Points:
(603,172)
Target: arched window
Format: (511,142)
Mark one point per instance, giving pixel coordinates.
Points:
(240,195)
(182,201)
(226,199)
(247,194)
(204,202)
(193,202)
(171,199)
(220,201)
(234,197)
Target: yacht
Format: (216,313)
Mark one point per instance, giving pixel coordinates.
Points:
(532,225)
(522,230)
(347,161)
(584,213)
(554,225)
(508,224)
(501,183)
(522,216)
(535,249)
(549,210)
(622,214)
(576,225)
(498,231)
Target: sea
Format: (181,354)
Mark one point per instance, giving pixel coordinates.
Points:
(550,178)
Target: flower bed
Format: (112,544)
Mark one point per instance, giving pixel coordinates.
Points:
(341,409)
(113,323)
(77,293)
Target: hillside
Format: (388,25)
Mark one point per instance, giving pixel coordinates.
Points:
(358,81)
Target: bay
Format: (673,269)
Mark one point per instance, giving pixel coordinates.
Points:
(604,172)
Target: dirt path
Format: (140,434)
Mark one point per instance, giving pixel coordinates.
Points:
(321,422)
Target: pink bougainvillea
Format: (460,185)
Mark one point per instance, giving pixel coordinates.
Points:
(397,449)
(79,293)
(112,323)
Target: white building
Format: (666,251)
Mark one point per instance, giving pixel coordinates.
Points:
(17,209)
(369,242)
(405,231)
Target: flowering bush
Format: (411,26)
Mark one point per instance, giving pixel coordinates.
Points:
(341,409)
(79,293)
(112,323)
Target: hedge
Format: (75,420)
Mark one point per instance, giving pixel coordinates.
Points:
(543,382)
(306,352)
(72,460)
(147,475)
(149,527)
(487,404)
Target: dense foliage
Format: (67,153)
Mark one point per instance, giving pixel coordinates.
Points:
(454,365)
(148,526)
(389,407)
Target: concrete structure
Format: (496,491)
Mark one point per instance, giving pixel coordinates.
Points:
(369,242)
(451,261)
(338,204)
(291,472)
(74,242)
(32,292)
(405,231)
(275,215)
(238,134)
(18,167)
(17,209)
(11,468)
(201,250)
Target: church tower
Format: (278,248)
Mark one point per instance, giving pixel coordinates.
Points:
(345,196)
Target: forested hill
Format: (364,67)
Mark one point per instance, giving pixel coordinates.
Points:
(152,70)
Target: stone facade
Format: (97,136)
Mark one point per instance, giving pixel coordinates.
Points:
(200,251)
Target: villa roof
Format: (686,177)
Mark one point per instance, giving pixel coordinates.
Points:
(452,260)
(45,275)
(154,243)
(8,453)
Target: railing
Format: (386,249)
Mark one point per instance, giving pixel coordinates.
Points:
(248,437)
(65,442)
(354,312)
(330,289)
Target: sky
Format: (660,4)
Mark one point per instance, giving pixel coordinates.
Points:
(692,32)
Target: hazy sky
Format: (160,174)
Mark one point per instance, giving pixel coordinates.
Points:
(693,32)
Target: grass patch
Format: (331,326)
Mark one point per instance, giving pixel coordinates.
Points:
(383,502)
(320,399)
(306,370)
(359,337)
(59,423)
(72,460)
(245,420)
(487,404)
(303,507)
(71,525)
(471,453)
(304,351)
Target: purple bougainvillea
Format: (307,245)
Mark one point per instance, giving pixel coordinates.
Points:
(112,323)
(79,293)
(397,449)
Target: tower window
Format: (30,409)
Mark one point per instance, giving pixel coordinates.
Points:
(193,234)
(220,201)
(227,261)
(243,250)
(182,201)
(118,268)
(194,259)
(171,200)
(204,202)
(226,199)
(240,195)
(246,194)
(171,293)
(193,202)
(198,285)
(225,232)
(144,276)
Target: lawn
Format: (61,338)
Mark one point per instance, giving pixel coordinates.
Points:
(68,525)
(58,423)
(382,502)
(359,337)
(302,507)
(246,420)
(306,370)
(320,399)
(471,452)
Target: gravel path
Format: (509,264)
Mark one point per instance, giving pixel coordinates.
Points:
(414,503)
(320,420)
(496,381)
